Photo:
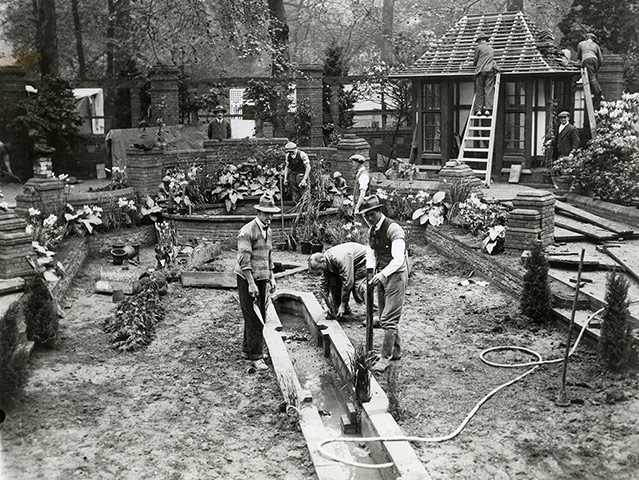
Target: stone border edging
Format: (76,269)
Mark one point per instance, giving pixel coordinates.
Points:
(375,421)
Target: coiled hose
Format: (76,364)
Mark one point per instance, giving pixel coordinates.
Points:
(534,365)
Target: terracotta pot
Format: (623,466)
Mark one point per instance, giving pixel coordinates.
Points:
(118,255)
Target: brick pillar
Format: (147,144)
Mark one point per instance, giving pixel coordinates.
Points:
(136,105)
(335,102)
(349,145)
(41,193)
(458,172)
(12,83)
(164,89)
(309,87)
(523,229)
(145,170)
(544,203)
(610,77)
(15,246)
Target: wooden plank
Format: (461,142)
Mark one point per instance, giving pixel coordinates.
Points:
(515,173)
(563,235)
(291,271)
(590,108)
(209,279)
(10,285)
(617,227)
(587,229)
(626,255)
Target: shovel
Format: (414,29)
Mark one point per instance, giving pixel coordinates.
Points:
(291,245)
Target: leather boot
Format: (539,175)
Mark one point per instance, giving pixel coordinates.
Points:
(387,351)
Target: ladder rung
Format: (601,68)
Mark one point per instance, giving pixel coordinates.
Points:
(481,172)
(474,117)
(475,160)
(485,139)
(469,149)
(470,127)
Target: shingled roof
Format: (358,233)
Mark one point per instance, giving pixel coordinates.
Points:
(520,48)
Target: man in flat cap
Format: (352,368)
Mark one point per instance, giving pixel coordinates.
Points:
(566,137)
(485,69)
(220,127)
(362,181)
(298,167)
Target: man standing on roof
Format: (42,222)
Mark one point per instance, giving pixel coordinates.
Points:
(220,127)
(566,137)
(589,53)
(298,167)
(485,69)
(386,256)
(362,181)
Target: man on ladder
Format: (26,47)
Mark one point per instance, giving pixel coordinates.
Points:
(589,54)
(485,70)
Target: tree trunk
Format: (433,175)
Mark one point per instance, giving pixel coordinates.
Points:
(278,31)
(77,27)
(48,39)
(388,12)
(110,34)
(38,26)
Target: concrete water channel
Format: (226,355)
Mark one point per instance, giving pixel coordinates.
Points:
(311,358)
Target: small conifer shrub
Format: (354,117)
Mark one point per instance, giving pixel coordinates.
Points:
(536,300)
(13,359)
(615,342)
(40,314)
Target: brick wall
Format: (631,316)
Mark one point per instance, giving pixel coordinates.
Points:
(72,258)
(309,88)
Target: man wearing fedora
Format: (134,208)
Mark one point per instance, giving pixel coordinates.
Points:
(297,166)
(566,137)
(219,127)
(386,256)
(485,69)
(255,278)
(362,181)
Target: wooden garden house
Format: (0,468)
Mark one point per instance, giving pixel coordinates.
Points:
(536,81)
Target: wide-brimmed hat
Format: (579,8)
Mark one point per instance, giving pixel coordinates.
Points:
(337,175)
(267,204)
(358,158)
(219,108)
(370,203)
(290,146)
(482,35)
(563,114)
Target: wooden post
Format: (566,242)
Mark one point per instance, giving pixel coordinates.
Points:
(369,310)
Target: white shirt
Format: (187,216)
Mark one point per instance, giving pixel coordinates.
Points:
(562,126)
(363,180)
(398,252)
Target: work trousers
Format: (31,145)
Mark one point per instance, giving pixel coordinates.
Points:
(592,66)
(252,343)
(390,298)
(294,180)
(484,91)
(335,290)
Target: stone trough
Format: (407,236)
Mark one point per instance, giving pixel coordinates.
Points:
(311,357)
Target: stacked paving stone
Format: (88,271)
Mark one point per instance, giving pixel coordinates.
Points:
(532,220)
(458,172)
(15,246)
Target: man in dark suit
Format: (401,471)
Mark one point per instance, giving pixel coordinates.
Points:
(220,127)
(566,137)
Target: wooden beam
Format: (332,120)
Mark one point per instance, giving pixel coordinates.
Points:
(627,256)
(587,229)
(617,227)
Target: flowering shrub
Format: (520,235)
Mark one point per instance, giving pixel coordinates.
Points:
(84,220)
(400,206)
(479,216)
(118,178)
(124,213)
(335,232)
(234,182)
(434,212)
(45,232)
(178,182)
(609,166)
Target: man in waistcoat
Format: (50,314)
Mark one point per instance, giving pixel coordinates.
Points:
(362,181)
(589,54)
(298,167)
(255,278)
(386,255)
(220,127)
(343,270)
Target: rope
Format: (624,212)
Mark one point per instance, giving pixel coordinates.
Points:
(534,364)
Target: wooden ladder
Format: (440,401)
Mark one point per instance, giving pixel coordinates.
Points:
(590,108)
(479,132)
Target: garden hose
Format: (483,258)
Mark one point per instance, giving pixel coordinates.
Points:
(401,438)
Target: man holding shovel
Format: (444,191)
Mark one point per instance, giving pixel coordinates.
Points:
(255,278)
(386,257)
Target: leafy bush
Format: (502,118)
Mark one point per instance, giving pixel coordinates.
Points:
(47,232)
(133,325)
(337,231)
(478,216)
(435,211)
(40,314)
(536,300)
(609,166)
(234,182)
(399,206)
(123,214)
(84,220)
(616,334)
(13,359)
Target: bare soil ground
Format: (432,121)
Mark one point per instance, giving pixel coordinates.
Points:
(184,407)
